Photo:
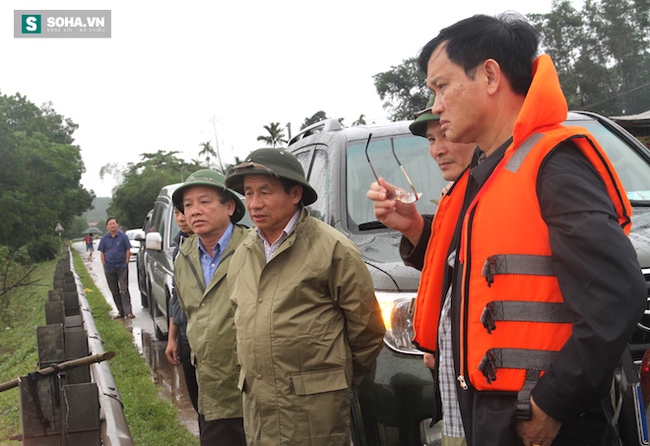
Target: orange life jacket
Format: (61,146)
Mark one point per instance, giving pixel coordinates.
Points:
(513,320)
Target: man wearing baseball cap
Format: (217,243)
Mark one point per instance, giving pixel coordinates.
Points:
(200,271)
(308,324)
(452,159)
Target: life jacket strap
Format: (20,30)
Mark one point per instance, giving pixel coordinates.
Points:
(525,311)
(533,361)
(523,408)
(521,264)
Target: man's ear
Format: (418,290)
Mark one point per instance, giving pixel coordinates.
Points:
(296,194)
(492,72)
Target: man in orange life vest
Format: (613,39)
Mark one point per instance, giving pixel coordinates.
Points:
(527,256)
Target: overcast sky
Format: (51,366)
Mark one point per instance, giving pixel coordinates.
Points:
(167,73)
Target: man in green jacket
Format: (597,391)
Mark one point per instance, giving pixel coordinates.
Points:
(308,324)
(200,275)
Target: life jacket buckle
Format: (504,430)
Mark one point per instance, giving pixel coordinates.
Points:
(489,270)
(488,367)
(523,410)
(487,317)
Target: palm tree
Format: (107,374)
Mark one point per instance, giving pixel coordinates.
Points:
(207,151)
(276,135)
(360,121)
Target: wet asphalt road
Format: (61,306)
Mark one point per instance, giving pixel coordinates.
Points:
(168,378)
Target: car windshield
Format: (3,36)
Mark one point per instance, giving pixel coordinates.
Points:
(633,170)
(412,152)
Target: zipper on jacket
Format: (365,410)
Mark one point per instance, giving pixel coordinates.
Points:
(462,344)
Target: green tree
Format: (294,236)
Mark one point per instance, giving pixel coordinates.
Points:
(360,121)
(233,164)
(602,53)
(403,90)
(316,117)
(142,181)
(275,137)
(207,151)
(39,175)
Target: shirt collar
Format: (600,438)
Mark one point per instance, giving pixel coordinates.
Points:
(482,166)
(288,229)
(220,245)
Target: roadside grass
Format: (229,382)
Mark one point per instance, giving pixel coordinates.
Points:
(18,353)
(152,420)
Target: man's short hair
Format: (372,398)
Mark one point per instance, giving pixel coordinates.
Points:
(112,218)
(508,39)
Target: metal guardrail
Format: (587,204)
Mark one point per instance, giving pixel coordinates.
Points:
(114,428)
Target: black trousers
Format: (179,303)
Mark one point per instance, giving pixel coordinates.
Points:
(118,283)
(223,432)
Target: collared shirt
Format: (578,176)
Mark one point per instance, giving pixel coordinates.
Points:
(481,168)
(453,425)
(114,249)
(209,263)
(270,249)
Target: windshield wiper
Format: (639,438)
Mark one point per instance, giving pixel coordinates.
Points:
(371,225)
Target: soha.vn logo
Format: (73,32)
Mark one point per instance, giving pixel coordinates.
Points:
(31,24)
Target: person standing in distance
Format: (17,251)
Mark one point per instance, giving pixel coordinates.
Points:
(115,249)
(200,275)
(309,327)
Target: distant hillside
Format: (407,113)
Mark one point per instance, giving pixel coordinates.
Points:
(99,212)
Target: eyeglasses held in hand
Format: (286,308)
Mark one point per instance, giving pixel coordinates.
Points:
(398,193)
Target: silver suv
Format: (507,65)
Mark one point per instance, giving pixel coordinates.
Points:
(396,400)
(159,267)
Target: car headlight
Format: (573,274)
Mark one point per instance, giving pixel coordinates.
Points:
(397,311)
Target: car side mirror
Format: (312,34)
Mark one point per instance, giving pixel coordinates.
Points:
(154,241)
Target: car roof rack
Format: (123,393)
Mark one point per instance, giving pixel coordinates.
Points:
(326,125)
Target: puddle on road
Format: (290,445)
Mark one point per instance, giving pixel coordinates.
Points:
(169,378)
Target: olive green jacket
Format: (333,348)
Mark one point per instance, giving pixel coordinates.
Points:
(308,328)
(210,328)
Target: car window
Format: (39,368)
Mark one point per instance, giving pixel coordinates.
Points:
(156,217)
(412,152)
(318,178)
(632,168)
(320,181)
(173,230)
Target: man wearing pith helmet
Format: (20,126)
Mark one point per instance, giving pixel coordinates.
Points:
(200,273)
(308,324)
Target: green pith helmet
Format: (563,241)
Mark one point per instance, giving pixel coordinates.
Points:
(272,162)
(419,125)
(210,178)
